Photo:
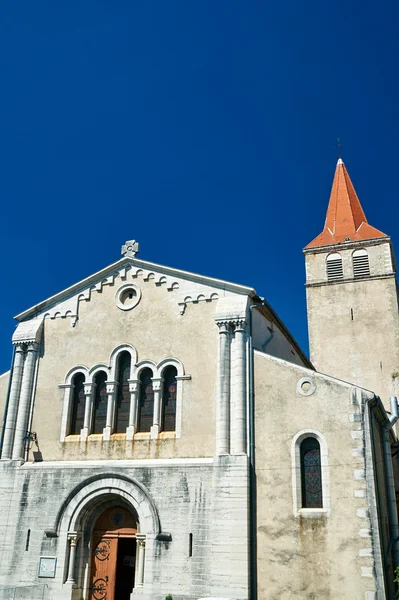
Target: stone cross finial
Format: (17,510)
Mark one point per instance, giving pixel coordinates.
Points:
(130,248)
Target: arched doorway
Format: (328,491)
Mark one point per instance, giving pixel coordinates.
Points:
(113,560)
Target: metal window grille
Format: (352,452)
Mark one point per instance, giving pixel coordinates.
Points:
(334,269)
(361,266)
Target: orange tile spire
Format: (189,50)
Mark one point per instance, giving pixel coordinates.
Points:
(345,216)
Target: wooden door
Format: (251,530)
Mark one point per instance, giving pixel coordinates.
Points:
(113,525)
(103,568)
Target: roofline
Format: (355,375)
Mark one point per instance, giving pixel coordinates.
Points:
(314,372)
(350,244)
(284,329)
(80,285)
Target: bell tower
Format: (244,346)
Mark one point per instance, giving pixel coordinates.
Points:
(352,299)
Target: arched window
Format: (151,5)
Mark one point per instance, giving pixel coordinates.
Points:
(100,402)
(169,399)
(78,404)
(311,480)
(334,267)
(146,404)
(123,395)
(361,266)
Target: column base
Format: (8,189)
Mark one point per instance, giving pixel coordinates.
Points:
(130,431)
(155,429)
(84,434)
(107,434)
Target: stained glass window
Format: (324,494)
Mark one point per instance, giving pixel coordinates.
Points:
(78,405)
(123,395)
(146,404)
(312,492)
(100,402)
(169,399)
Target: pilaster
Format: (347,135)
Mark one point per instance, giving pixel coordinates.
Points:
(223,390)
(15,389)
(25,401)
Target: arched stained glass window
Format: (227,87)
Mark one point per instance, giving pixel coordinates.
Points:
(100,402)
(169,399)
(312,491)
(123,394)
(78,404)
(146,404)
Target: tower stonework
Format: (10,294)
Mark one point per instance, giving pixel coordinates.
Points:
(352,299)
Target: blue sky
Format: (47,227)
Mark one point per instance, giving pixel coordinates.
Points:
(204,129)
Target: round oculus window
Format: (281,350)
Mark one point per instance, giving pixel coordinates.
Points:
(128,296)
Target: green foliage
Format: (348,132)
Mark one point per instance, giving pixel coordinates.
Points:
(169,597)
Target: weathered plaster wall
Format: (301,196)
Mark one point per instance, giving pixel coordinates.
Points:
(268,338)
(157,330)
(354,324)
(328,557)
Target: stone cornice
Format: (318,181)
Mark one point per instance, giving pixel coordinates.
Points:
(346,245)
(351,280)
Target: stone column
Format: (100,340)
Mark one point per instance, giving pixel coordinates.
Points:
(11,416)
(223,391)
(134,389)
(25,399)
(239,376)
(73,541)
(66,409)
(89,389)
(156,424)
(140,560)
(112,387)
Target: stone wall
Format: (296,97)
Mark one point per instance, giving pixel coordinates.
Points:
(204,498)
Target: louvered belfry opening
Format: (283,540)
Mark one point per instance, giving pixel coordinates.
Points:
(361,265)
(334,267)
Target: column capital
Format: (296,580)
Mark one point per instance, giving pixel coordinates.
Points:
(32,347)
(134,384)
(224,326)
(112,386)
(20,347)
(73,537)
(89,388)
(239,324)
(140,537)
(157,383)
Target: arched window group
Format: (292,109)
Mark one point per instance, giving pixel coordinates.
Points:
(360,265)
(146,417)
(122,404)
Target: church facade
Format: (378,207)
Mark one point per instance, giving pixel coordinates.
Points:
(165,436)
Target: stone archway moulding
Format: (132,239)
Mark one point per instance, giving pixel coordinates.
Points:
(93,489)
